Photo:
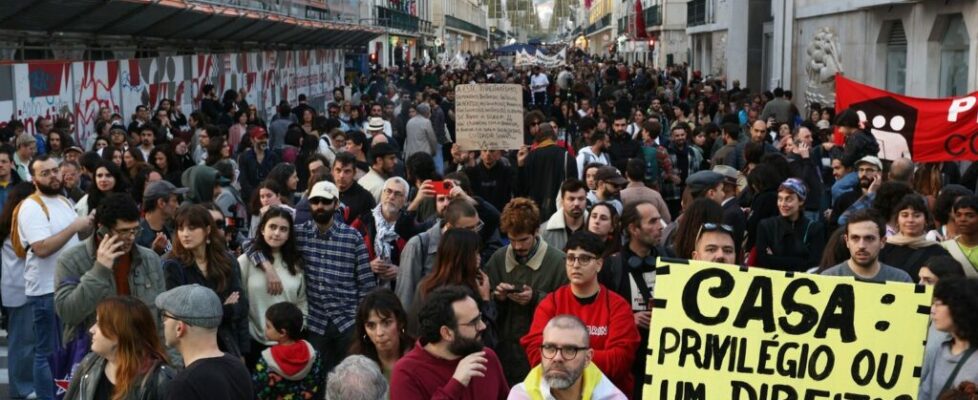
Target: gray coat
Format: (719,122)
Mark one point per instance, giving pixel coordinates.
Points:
(420,137)
(417,260)
(81,283)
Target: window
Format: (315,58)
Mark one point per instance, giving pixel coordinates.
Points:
(954,58)
(896,59)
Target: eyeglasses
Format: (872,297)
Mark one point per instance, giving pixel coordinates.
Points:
(582,260)
(473,323)
(476,228)
(568,353)
(133,232)
(711,227)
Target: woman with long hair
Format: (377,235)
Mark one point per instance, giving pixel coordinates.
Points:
(19,312)
(909,248)
(275,239)
(162,159)
(952,312)
(127,359)
(217,149)
(132,156)
(605,222)
(200,256)
(57,143)
(112,154)
(286,175)
(179,152)
(306,121)
(458,263)
(380,330)
(108,179)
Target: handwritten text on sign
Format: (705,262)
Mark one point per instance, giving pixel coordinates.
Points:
(719,332)
(489,116)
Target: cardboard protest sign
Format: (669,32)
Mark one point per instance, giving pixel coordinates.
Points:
(489,116)
(725,332)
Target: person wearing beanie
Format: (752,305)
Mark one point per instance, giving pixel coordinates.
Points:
(790,241)
(191,315)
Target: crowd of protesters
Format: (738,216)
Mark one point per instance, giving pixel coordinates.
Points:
(357,251)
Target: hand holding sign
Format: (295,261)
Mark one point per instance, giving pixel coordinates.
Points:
(489,116)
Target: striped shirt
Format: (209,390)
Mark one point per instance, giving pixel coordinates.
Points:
(337,273)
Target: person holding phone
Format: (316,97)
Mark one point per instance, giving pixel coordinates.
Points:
(109,263)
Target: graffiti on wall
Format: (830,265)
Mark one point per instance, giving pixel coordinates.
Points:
(78,90)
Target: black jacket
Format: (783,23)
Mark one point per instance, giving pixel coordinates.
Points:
(859,144)
(908,258)
(734,216)
(794,246)
(541,175)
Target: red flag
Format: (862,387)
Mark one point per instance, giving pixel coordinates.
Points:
(931,130)
(640,21)
(587,4)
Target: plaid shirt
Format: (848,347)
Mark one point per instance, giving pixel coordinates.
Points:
(337,273)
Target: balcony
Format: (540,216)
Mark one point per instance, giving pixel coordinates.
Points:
(397,19)
(597,26)
(696,13)
(463,25)
(653,16)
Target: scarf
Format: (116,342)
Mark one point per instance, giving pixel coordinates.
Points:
(915,242)
(385,235)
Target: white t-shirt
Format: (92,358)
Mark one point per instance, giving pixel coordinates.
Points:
(539,82)
(34,226)
(12,279)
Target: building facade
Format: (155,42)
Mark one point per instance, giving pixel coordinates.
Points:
(408,34)
(913,47)
(460,26)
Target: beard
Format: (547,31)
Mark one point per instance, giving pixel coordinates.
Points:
(51,189)
(323,216)
(865,182)
(561,377)
(463,346)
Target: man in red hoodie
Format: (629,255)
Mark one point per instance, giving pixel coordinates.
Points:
(611,328)
(449,360)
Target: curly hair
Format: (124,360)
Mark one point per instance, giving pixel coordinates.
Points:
(889,194)
(701,211)
(520,215)
(961,298)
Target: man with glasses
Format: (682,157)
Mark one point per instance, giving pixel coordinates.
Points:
(190,317)
(384,244)
(47,224)
(449,360)
(614,340)
(109,263)
(715,243)
(566,371)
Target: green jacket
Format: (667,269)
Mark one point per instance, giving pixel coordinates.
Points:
(544,272)
(81,283)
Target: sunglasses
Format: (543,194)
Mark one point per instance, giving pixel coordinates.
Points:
(711,227)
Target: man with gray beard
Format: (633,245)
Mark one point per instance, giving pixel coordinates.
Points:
(566,370)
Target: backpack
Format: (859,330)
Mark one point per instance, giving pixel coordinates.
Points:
(652,172)
(19,248)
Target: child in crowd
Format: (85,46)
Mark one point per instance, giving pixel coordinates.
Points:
(291,369)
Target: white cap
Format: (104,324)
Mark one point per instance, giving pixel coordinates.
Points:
(324,189)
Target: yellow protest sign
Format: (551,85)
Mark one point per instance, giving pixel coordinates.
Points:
(721,332)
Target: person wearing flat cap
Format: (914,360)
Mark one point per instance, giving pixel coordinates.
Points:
(160,202)
(706,184)
(191,315)
(790,241)
(607,188)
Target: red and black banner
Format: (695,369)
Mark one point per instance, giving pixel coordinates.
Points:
(925,130)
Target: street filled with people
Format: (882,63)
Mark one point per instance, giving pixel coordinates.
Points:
(355,249)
